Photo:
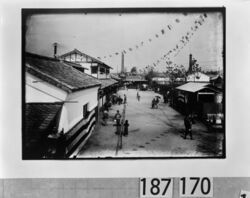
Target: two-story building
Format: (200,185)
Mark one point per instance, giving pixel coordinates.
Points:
(60,108)
(95,68)
(90,65)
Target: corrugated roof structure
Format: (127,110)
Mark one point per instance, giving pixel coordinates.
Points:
(192,87)
(58,73)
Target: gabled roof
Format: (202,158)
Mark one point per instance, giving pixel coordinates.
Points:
(58,73)
(192,86)
(107,82)
(76,51)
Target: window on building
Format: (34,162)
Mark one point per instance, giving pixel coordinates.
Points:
(102,70)
(85,110)
(107,71)
(94,69)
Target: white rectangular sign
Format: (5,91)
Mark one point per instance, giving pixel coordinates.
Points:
(196,187)
(244,194)
(156,187)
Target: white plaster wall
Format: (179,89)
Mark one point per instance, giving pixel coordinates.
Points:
(86,65)
(39,91)
(73,109)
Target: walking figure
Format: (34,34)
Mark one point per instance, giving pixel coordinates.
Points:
(126,125)
(118,127)
(153,103)
(105,117)
(138,96)
(125,99)
(188,126)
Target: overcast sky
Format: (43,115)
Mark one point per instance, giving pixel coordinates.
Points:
(100,35)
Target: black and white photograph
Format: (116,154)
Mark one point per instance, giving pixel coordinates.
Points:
(123,83)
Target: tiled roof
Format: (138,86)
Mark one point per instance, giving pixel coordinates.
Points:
(76,51)
(107,82)
(41,119)
(58,73)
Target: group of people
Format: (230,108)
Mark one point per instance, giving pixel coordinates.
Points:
(188,121)
(119,100)
(155,102)
(118,124)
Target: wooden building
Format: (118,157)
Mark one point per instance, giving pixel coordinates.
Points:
(200,99)
(91,65)
(60,107)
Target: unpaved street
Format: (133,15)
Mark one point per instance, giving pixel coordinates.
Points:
(152,133)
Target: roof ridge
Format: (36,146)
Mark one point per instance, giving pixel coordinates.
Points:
(82,53)
(29,54)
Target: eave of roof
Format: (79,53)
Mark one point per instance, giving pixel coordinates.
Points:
(192,87)
(35,63)
(107,82)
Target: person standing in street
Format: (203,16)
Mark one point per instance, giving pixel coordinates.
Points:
(125,99)
(126,125)
(138,96)
(188,127)
(117,116)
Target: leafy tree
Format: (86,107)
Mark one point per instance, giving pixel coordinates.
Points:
(175,71)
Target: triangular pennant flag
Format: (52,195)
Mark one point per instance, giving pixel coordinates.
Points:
(169,27)
(156,35)
(177,20)
(162,31)
(150,40)
(116,53)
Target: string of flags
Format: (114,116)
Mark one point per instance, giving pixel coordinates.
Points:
(162,32)
(185,39)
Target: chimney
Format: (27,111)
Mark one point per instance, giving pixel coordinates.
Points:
(190,69)
(55,50)
(122,66)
